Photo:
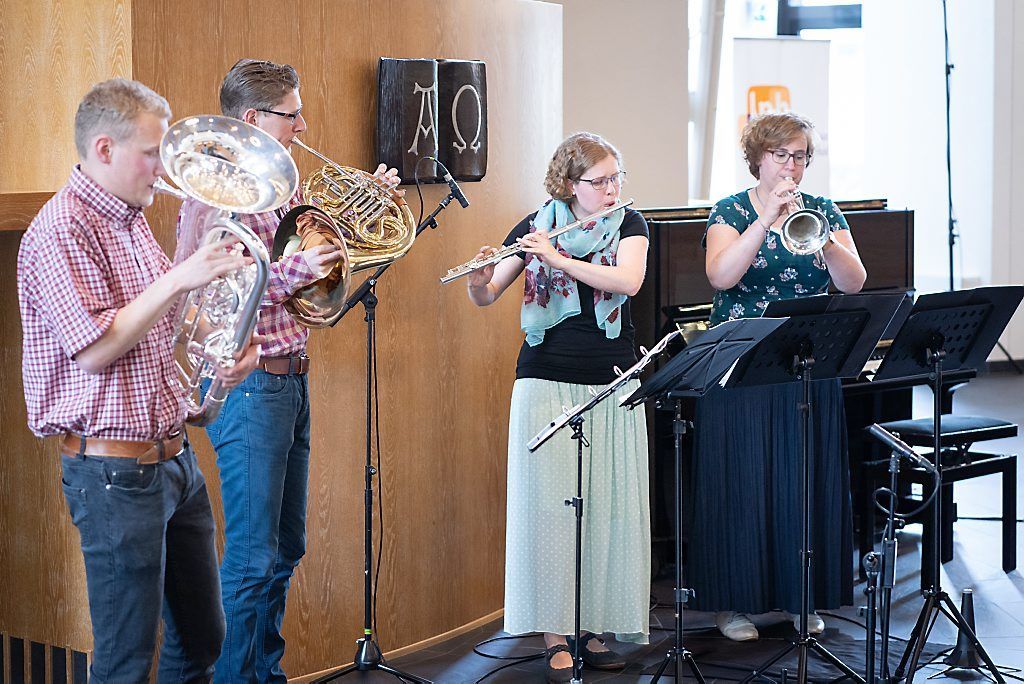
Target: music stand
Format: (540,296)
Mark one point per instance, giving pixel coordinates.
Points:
(368,654)
(945,332)
(834,343)
(573,417)
(692,372)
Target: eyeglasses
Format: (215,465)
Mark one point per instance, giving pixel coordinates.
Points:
(602,182)
(291,117)
(782,156)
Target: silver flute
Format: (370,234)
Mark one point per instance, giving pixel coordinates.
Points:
(505,252)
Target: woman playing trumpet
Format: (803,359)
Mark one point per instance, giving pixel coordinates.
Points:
(576,317)
(745,537)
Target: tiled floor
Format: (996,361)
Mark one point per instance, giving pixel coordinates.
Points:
(998,597)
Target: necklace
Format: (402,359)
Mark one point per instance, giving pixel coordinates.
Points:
(757,193)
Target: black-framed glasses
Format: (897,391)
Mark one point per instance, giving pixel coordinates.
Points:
(291,117)
(782,156)
(602,182)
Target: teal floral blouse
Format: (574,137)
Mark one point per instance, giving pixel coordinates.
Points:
(776,273)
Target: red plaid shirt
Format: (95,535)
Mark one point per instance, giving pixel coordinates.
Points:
(284,337)
(84,256)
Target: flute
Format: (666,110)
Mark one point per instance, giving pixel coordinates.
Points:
(505,252)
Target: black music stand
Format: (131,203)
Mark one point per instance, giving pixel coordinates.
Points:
(945,332)
(368,654)
(573,417)
(692,372)
(834,343)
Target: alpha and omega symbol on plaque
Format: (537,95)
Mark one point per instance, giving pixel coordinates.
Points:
(433,108)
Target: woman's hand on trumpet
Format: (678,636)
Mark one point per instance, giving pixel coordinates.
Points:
(781,201)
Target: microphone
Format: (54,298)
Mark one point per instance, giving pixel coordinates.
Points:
(456,190)
(900,447)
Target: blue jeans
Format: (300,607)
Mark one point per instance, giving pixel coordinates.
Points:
(262,441)
(147,539)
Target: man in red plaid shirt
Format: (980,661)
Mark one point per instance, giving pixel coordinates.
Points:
(96,296)
(262,432)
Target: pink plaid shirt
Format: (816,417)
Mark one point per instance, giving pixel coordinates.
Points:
(284,337)
(84,256)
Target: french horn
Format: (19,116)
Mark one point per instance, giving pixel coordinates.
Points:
(352,210)
(239,169)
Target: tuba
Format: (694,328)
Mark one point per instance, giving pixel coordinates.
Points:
(351,210)
(237,168)
(805,231)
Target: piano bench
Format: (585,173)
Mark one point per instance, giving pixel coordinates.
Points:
(960,463)
(958,432)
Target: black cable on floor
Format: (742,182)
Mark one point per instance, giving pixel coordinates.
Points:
(515,660)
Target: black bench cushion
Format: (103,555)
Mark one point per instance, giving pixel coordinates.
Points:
(956,430)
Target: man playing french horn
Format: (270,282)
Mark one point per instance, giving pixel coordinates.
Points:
(262,433)
(96,295)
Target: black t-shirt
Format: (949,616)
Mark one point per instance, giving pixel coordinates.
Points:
(577,350)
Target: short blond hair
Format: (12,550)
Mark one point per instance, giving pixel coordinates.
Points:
(255,84)
(572,158)
(771,131)
(112,107)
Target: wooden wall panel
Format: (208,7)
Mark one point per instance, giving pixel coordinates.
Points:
(42,577)
(51,51)
(446,368)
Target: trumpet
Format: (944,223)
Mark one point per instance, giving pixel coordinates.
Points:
(505,252)
(805,231)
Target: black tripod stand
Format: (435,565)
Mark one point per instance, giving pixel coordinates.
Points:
(690,373)
(831,337)
(368,654)
(679,655)
(936,599)
(881,567)
(803,362)
(573,417)
(945,332)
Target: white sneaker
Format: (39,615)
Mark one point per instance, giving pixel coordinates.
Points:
(735,626)
(815,625)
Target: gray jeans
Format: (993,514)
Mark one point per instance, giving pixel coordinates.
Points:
(147,538)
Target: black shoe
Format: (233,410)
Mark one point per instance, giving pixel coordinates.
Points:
(556,675)
(603,660)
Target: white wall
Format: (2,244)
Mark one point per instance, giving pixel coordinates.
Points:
(624,77)
(1007,248)
(906,112)
(905,128)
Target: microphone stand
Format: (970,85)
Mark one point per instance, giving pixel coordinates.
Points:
(368,654)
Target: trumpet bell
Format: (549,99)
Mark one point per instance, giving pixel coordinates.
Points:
(229,164)
(318,304)
(805,231)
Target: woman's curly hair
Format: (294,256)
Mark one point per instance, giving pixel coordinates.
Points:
(771,131)
(574,156)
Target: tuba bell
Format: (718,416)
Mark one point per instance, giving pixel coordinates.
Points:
(352,210)
(237,168)
(805,231)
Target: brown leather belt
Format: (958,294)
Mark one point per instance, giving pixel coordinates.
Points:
(284,365)
(143,452)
